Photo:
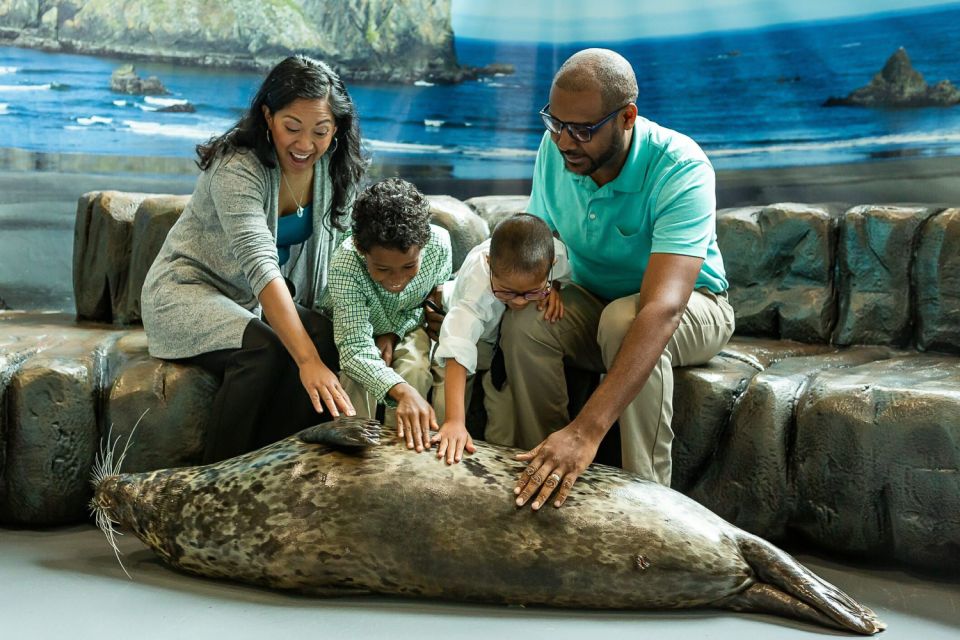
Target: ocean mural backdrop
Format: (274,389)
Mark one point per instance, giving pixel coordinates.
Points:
(752,97)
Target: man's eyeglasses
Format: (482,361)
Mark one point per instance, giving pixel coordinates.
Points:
(505,295)
(579,132)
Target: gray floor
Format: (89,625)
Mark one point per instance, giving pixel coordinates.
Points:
(65,583)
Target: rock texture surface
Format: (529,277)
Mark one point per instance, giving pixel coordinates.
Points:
(937,277)
(466,228)
(779,262)
(370,40)
(874,274)
(801,427)
(898,84)
(493,209)
(62,386)
(124,79)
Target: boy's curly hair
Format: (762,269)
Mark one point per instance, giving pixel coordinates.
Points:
(393,214)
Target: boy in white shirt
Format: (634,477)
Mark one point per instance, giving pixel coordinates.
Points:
(521,263)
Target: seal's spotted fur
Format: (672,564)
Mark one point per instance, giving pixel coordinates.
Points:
(333,512)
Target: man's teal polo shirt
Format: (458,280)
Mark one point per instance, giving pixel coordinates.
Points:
(663,201)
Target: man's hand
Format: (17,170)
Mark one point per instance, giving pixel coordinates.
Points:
(432,318)
(556,462)
(385,345)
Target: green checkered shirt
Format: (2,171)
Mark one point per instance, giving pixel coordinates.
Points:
(362,309)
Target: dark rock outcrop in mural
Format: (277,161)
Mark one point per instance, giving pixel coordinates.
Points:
(366,40)
(124,79)
(899,85)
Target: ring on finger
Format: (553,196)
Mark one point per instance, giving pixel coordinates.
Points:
(553,479)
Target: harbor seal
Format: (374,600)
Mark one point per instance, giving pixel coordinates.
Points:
(333,511)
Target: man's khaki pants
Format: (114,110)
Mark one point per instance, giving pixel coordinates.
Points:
(497,402)
(589,337)
(411,359)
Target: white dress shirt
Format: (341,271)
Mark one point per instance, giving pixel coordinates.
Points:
(474,313)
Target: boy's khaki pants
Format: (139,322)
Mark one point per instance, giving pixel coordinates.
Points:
(589,337)
(411,359)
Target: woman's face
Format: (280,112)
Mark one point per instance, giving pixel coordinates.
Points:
(301,131)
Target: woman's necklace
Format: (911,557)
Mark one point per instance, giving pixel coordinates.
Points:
(295,198)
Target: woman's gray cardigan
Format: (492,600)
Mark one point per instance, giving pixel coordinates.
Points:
(202,289)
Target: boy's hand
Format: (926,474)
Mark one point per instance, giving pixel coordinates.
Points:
(553,304)
(385,345)
(432,319)
(453,438)
(415,417)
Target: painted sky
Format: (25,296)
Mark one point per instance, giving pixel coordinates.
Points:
(617,20)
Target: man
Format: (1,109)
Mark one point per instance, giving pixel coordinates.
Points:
(635,204)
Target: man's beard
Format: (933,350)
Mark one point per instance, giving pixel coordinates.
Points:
(593,164)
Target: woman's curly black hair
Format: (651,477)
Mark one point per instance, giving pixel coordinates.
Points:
(391,213)
(299,77)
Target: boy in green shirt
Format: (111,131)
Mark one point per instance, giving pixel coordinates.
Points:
(378,281)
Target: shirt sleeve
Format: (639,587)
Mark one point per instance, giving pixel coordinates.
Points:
(238,195)
(353,330)
(537,204)
(473,311)
(686,205)
(561,265)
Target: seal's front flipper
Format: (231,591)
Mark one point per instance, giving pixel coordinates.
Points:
(343,432)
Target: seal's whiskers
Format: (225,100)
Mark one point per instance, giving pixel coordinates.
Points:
(104,467)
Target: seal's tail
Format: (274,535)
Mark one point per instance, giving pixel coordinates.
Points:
(787,588)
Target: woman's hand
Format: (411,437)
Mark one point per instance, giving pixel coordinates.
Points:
(415,416)
(453,438)
(324,388)
(385,345)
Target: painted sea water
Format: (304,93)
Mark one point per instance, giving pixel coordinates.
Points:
(750,98)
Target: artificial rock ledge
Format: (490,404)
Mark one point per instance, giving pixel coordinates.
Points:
(854,447)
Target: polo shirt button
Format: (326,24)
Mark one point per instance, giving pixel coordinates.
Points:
(593,216)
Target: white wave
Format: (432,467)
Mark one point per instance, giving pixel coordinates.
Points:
(163,102)
(406,147)
(9,69)
(423,83)
(94,120)
(501,153)
(940,137)
(4,108)
(434,123)
(24,87)
(144,107)
(495,84)
(190,132)
(119,103)
(437,149)
(849,44)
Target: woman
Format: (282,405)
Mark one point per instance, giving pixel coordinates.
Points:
(235,285)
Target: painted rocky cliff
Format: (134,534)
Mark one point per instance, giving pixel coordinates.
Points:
(366,40)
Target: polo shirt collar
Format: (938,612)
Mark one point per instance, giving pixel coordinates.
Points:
(632,174)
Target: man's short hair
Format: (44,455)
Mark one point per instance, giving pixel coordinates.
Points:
(521,243)
(600,70)
(393,214)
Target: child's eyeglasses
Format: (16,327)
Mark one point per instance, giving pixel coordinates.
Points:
(537,294)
